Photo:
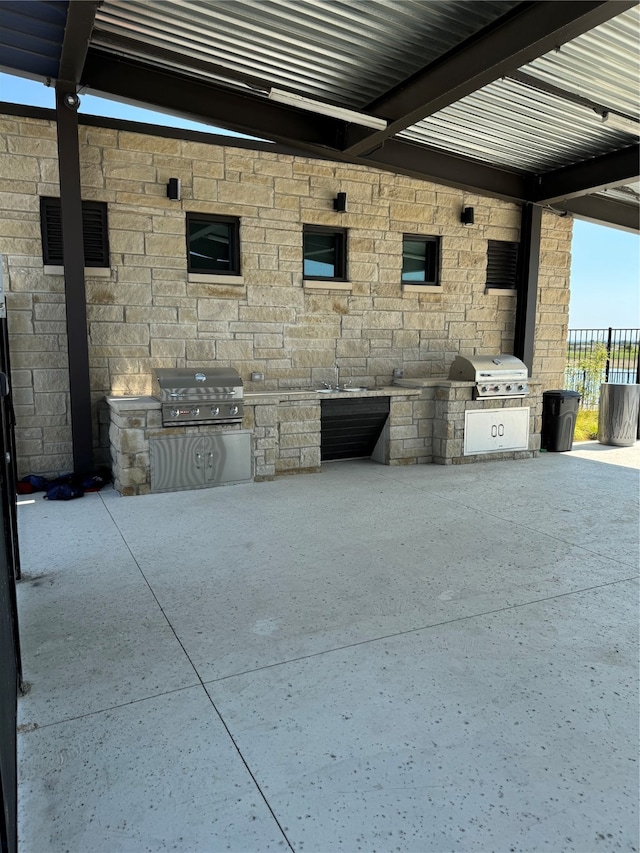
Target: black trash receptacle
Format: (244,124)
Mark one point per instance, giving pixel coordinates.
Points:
(559,412)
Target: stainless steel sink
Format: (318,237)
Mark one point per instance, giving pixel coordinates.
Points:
(349,389)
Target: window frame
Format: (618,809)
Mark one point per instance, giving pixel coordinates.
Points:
(427,240)
(95,231)
(234,243)
(340,265)
(503,265)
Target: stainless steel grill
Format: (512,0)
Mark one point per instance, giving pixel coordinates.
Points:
(494,375)
(209,396)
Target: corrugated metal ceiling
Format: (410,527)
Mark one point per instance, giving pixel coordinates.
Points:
(602,63)
(343,52)
(512,125)
(517,126)
(217,60)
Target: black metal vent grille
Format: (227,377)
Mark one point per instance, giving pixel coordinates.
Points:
(502,264)
(94,227)
(351,428)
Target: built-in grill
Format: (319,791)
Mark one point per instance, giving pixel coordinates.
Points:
(494,375)
(210,396)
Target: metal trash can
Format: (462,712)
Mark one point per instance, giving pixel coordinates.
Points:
(559,413)
(618,414)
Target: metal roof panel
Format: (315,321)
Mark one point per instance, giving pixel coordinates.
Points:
(344,52)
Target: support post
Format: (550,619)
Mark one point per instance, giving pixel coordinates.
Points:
(529,265)
(74,283)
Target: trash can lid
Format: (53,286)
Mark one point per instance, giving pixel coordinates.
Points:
(561,393)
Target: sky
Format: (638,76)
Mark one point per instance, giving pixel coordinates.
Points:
(605,262)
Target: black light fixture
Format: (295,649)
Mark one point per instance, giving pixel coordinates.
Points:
(466,216)
(173,189)
(340,202)
(71,101)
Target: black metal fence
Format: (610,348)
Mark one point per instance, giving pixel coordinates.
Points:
(595,356)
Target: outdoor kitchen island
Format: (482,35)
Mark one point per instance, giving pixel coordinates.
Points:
(426,424)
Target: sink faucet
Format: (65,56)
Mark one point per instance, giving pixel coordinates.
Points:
(337,377)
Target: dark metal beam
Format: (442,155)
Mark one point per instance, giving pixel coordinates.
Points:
(199,100)
(598,173)
(530,31)
(429,164)
(74,283)
(308,133)
(529,266)
(81,15)
(604,211)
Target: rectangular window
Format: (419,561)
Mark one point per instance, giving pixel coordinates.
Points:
(325,253)
(420,259)
(94,227)
(213,244)
(502,264)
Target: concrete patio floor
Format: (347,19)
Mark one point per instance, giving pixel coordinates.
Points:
(430,659)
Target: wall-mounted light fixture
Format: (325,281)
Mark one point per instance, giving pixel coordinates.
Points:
(291,100)
(340,202)
(466,216)
(173,189)
(71,101)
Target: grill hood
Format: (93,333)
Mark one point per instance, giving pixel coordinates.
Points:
(210,395)
(475,368)
(494,375)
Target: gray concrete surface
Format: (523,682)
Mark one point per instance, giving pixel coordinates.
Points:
(429,659)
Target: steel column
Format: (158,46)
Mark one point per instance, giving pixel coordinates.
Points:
(529,264)
(74,283)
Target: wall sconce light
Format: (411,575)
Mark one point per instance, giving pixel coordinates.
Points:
(173,189)
(340,202)
(71,101)
(466,216)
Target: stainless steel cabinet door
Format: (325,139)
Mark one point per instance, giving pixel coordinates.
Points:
(176,463)
(226,457)
(192,462)
(491,430)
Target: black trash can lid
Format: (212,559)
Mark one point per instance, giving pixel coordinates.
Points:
(560,393)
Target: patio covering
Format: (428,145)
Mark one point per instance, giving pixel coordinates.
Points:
(527,101)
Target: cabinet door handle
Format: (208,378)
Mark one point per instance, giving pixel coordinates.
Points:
(210,460)
(500,429)
(494,430)
(198,458)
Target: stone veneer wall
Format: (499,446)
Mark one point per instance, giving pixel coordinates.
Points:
(147,312)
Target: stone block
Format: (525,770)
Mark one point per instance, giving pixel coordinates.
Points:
(167,348)
(50,403)
(118,334)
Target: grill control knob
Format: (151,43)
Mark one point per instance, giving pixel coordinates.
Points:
(484,389)
(233,410)
(508,388)
(215,410)
(496,387)
(195,412)
(174,413)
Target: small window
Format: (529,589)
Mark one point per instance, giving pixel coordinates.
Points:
(420,259)
(325,253)
(213,244)
(94,227)
(502,264)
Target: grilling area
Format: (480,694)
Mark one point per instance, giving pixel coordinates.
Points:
(368,663)
(202,427)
